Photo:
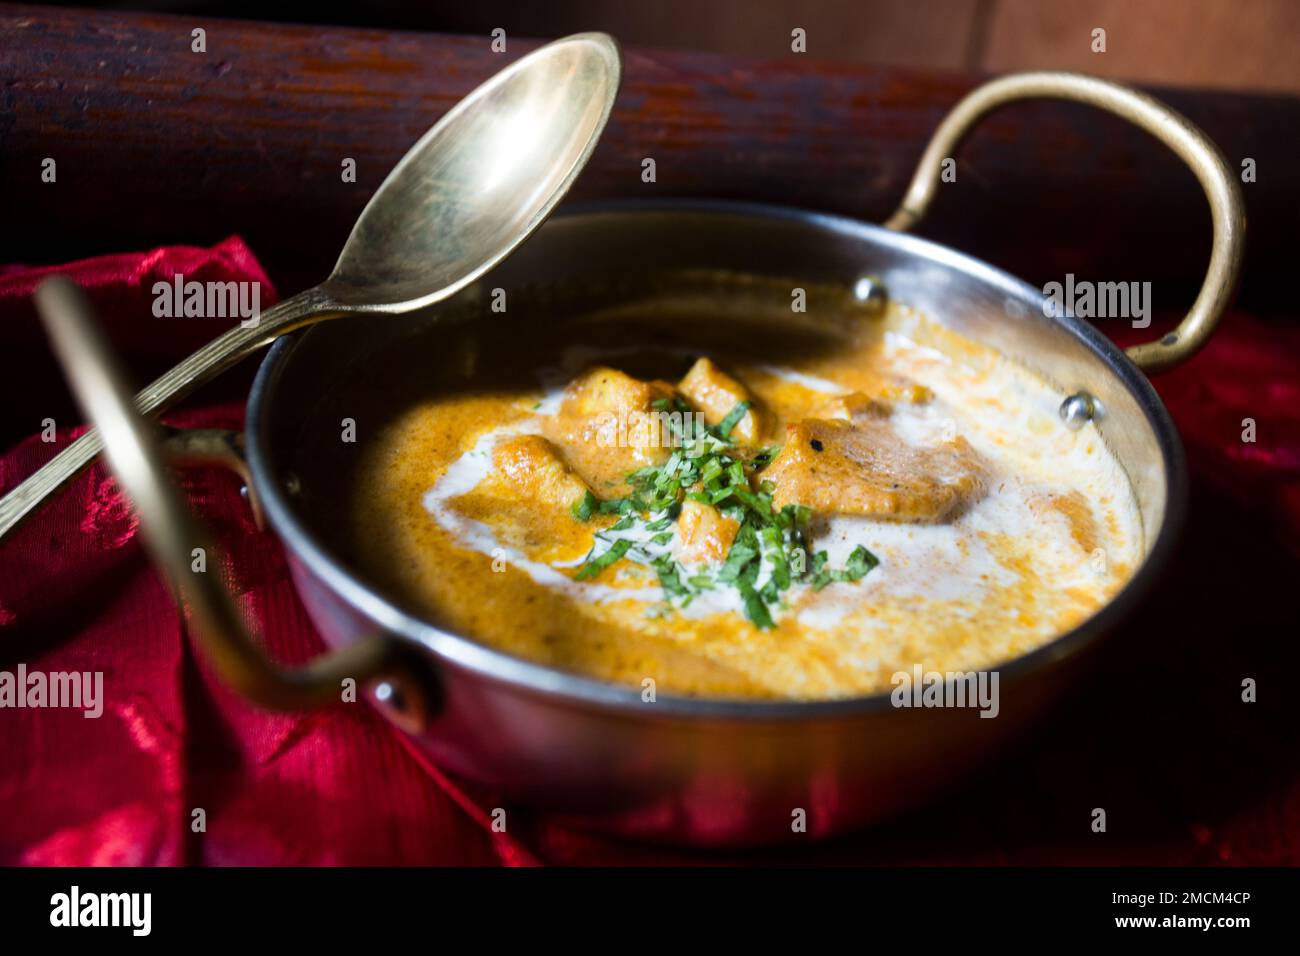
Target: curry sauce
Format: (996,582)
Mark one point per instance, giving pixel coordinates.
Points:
(902,497)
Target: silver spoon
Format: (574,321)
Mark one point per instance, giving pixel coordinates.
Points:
(461,199)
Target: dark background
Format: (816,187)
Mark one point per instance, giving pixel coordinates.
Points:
(1221,44)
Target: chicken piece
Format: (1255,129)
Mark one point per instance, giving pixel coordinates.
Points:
(611,409)
(897,390)
(602,391)
(704,533)
(867,469)
(608,425)
(532,467)
(715,393)
(853,406)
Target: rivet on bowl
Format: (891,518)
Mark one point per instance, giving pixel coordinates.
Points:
(870,292)
(1079,409)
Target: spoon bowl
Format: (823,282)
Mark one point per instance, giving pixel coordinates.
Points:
(480,181)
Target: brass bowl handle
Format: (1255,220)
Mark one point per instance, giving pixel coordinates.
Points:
(1170,127)
(171,534)
(212,446)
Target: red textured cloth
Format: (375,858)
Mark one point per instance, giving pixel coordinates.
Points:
(1187,772)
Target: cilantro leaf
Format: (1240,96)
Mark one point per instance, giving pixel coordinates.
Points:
(596,565)
(859,564)
(584,506)
(732,419)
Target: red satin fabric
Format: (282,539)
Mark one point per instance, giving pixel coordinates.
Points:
(1187,772)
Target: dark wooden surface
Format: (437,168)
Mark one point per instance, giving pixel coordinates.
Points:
(157,144)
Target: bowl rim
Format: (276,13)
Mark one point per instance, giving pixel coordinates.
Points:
(574,689)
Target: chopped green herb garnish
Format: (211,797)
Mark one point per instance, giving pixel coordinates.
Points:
(769,553)
(584,506)
(860,562)
(596,565)
(755,608)
(732,419)
(738,558)
(764,457)
(670,578)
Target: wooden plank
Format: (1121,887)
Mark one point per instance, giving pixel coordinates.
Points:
(1244,46)
(155,143)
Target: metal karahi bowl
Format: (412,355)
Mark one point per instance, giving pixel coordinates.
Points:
(686,770)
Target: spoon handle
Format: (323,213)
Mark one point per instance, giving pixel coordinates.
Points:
(211,360)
